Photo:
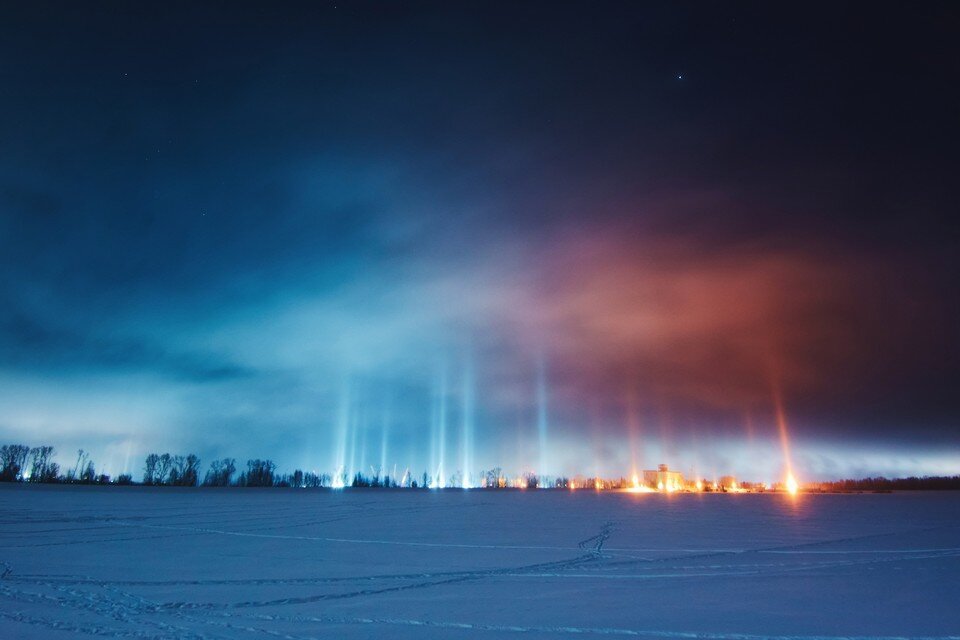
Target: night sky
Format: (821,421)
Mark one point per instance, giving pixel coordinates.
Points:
(593,236)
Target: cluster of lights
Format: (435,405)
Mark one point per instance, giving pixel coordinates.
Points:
(661,481)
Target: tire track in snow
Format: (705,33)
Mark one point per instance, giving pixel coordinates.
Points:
(449,578)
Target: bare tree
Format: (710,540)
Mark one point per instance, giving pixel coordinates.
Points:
(13,457)
(164,466)
(177,464)
(220,473)
(42,468)
(82,459)
(150,476)
(259,473)
(191,471)
(89,474)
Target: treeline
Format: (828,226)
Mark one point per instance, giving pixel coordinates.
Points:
(184,471)
(20,463)
(913,483)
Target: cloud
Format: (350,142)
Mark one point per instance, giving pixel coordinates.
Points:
(30,343)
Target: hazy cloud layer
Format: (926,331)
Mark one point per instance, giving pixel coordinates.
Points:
(222,231)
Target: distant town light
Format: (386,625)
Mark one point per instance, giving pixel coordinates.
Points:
(792,486)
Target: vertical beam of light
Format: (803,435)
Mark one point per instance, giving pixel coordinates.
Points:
(468,422)
(384,435)
(442,424)
(434,422)
(438,430)
(352,460)
(694,446)
(127,456)
(343,426)
(790,480)
(362,428)
(665,420)
(752,450)
(634,431)
(519,455)
(596,437)
(542,424)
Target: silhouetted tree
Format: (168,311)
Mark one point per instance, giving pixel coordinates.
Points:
(220,473)
(308,479)
(83,459)
(150,469)
(124,479)
(259,473)
(913,483)
(164,468)
(296,480)
(13,457)
(184,470)
(53,473)
(191,473)
(359,480)
(42,469)
(89,474)
(313,480)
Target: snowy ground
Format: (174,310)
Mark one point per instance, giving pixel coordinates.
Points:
(245,563)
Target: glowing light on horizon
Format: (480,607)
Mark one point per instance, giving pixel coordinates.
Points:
(337,481)
(636,487)
(792,485)
(437,481)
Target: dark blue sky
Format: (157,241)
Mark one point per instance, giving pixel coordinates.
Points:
(281,230)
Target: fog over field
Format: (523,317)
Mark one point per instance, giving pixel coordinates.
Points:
(137,562)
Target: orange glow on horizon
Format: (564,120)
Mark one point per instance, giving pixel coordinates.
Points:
(792,486)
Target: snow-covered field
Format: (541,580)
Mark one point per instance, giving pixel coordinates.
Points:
(245,563)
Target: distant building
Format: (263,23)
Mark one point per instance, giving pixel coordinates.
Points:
(663,479)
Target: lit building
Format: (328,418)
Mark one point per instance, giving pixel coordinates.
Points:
(663,479)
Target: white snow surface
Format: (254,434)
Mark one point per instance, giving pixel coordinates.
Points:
(137,562)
